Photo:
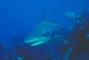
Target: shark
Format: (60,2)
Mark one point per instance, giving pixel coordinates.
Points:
(44,33)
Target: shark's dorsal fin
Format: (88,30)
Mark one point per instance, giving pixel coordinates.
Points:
(44,16)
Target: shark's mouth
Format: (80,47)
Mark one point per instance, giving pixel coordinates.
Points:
(37,41)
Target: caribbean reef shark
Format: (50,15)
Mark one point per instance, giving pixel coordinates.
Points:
(44,33)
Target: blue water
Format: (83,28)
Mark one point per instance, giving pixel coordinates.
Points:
(21,16)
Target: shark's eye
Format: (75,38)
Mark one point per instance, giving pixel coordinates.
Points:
(47,34)
(57,26)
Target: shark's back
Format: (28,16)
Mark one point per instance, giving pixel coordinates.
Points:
(43,33)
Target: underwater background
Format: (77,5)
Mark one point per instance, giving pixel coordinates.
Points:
(19,17)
